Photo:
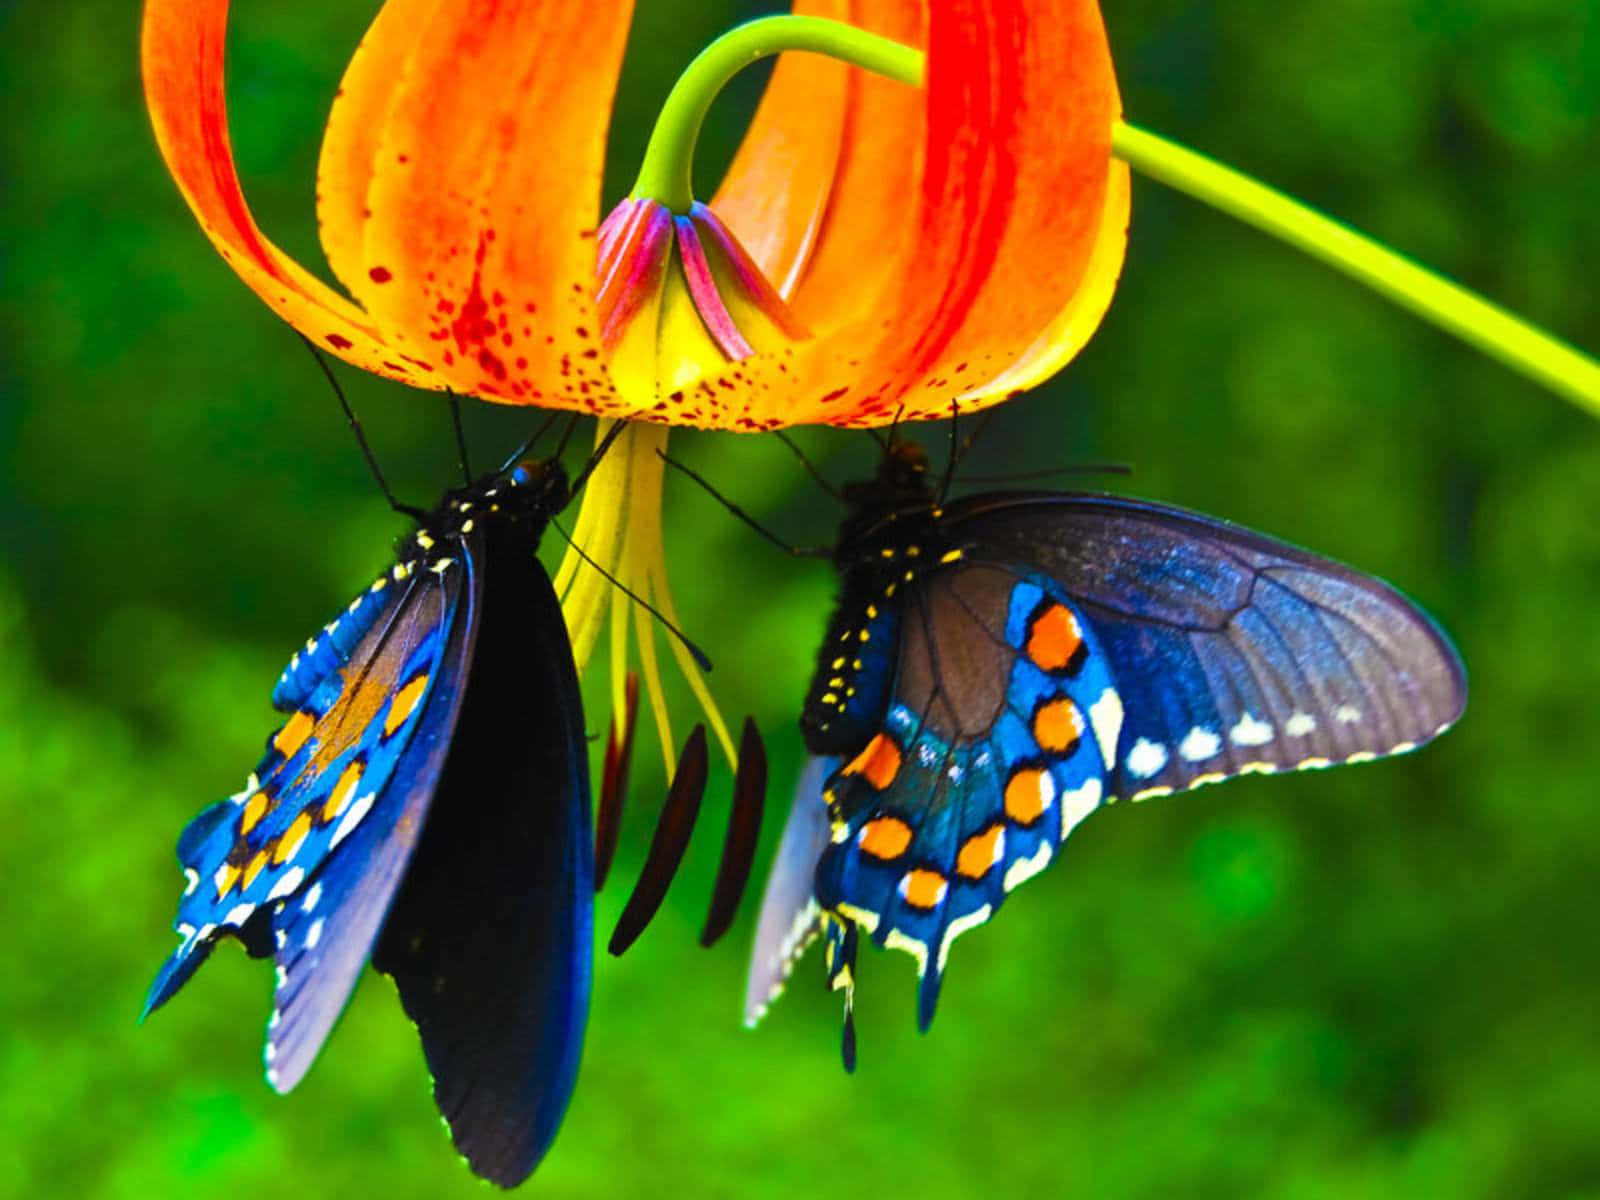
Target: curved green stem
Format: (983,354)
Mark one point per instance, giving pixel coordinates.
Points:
(1499,334)
(664,175)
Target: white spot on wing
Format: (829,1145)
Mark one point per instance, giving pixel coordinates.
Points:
(291,880)
(1105,716)
(959,926)
(1199,744)
(193,877)
(352,818)
(314,934)
(1077,803)
(312,896)
(1146,758)
(1250,732)
(1347,714)
(1299,724)
(1026,868)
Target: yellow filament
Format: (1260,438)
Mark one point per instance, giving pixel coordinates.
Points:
(619,528)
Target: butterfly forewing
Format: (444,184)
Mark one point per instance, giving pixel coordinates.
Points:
(1231,652)
(325,932)
(320,778)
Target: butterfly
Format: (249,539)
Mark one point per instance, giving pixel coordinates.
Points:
(426,805)
(998,668)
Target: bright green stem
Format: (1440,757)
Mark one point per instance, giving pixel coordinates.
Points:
(669,158)
(1519,345)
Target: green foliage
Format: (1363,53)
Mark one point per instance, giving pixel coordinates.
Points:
(1377,981)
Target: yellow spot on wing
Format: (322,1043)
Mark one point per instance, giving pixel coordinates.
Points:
(288,740)
(404,702)
(293,838)
(339,798)
(254,809)
(253,869)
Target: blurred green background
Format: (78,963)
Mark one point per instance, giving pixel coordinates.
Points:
(1378,981)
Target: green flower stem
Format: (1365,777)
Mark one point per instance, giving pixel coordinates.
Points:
(1519,345)
(669,158)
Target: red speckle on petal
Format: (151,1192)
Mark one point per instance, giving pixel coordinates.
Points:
(834,395)
(339,342)
(379,275)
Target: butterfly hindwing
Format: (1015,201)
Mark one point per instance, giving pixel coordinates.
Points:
(490,937)
(992,751)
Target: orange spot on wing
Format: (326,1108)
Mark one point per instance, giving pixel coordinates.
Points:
(404,702)
(289,844)
(339,798)
(253,869)
(1028,794)
(1057,726)
(885,837)
(1054,638)
(922,888)
(879,762)
(254,809)
(288,740)
(981,851)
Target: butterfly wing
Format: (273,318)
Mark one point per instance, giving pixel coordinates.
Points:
(790,917)
(1232,652)
(490,938)
(304,861)
(1085,647)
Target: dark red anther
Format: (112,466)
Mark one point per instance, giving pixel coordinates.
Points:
(671,839)
(744,831)
(614,785)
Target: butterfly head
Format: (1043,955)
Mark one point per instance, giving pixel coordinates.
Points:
(537,486)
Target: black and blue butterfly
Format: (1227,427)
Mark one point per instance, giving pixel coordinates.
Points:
(426,805)
(1000,667)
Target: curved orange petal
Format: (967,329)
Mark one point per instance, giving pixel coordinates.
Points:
(816,191)
(355,126)
(1075,324)
(482,195)
(777,186)
(1021,103)
(182,58)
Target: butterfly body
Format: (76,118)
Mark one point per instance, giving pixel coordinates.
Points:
(426,804)
(999,667)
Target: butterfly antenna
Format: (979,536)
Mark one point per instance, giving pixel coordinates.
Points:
(695,652)
(792,551)
(973,435)
(566,436)
(954,452)
(461,436)
(606,442)
(811,467)
(521,451)
(409,510)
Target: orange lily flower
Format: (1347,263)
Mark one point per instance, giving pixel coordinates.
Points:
(875,251)
(961,242)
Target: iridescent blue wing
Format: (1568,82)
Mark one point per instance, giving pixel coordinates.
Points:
(490,938)
(303,862)
(1086,647)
